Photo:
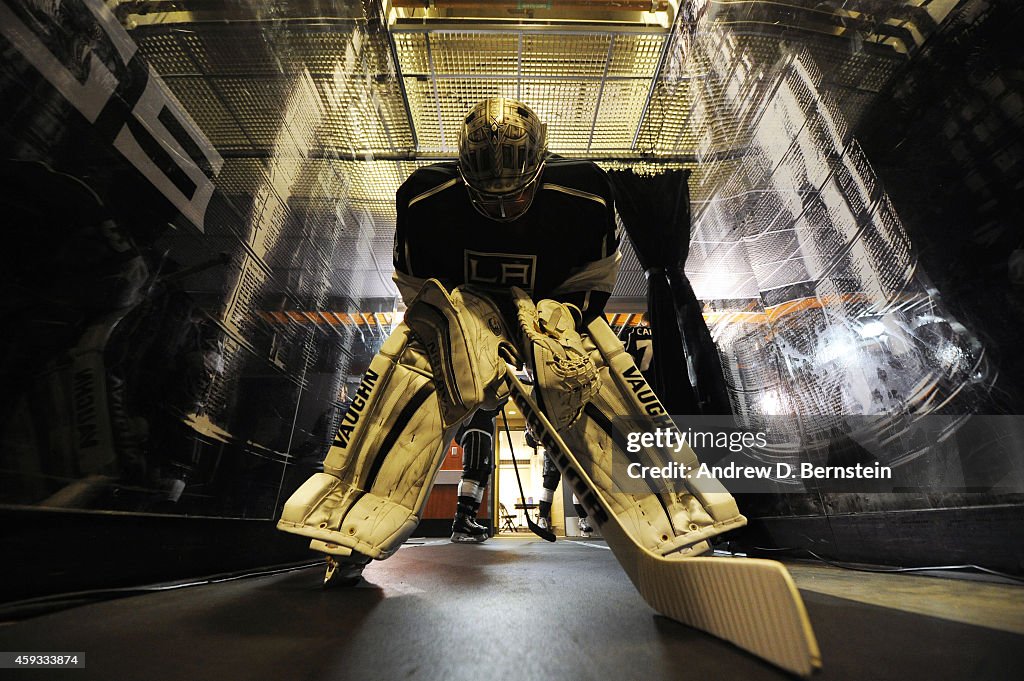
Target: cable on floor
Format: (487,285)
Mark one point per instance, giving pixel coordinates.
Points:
(928,568)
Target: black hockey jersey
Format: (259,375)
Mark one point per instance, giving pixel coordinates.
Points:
(564,247)
(638,341)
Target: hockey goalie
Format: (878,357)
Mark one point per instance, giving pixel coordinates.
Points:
(505,255)
(505,259)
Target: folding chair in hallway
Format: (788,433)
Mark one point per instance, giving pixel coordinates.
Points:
(507,523)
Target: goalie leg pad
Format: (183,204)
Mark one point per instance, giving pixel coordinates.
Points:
(340,518)
(665,522)
(381,466)
(461,333)
(636,399)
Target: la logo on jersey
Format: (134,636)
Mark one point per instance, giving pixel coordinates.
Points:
(506,269)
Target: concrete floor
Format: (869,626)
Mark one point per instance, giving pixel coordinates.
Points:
(992,605)
(517,609)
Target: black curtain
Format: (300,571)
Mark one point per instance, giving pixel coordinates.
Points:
(656,213)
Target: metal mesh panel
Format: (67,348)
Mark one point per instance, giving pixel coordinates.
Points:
(237,82)
(174,53)
(233,50)
(209,112)
(811,162)
(438,107)
(411,49)
(720,269)
(240,176)
(591,88)
(562,55)
(666,128)
(622,105)
(636,56)
(630,283)
(487,54)
(708,177)
(321,184)
(568,106)
(372,185)
(363,120)
(257,105)
(321,52)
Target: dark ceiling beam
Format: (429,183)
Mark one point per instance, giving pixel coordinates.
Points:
(868,18)
(574,5)
(878,11)
(157,11)
(605,156)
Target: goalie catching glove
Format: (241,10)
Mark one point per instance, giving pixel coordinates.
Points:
(565,375)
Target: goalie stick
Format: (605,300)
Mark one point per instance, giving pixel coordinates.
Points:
(546,535)
(749,602)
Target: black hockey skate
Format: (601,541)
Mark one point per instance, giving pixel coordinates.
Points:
(466,530)
(343,571)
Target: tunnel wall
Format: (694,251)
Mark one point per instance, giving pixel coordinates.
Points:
(814,251)
(185,309)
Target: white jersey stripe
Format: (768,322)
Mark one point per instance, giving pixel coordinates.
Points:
(574,192)
(436,190)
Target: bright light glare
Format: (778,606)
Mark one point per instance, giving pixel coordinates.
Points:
(397,317)
(840,349)
(950,355)
(771,403)
(872,329)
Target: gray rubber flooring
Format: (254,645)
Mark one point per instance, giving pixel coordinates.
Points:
(507,609)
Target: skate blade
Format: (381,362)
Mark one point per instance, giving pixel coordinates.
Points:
(341,574)
(463,538)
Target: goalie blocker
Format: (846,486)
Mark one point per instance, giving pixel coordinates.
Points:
(439,366)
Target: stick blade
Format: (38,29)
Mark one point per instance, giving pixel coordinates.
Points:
(546,535)
(752,603)
(749,602)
